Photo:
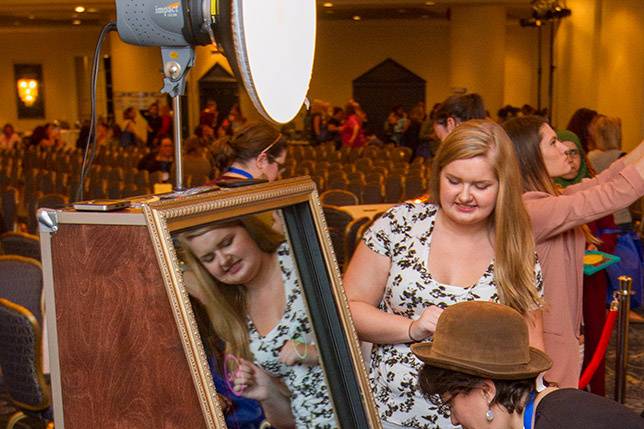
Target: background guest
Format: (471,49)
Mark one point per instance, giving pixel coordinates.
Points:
(490,379)
(558,220)
(9,138)
(455,110)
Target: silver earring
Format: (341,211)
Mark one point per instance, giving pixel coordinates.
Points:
(489,415)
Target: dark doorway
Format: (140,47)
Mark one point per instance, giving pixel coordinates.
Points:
(221,86)
(384,86)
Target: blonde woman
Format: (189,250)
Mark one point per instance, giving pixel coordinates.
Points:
(247,281)
(606,133)
(474,243)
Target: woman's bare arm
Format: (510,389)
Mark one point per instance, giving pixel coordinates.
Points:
(364,283)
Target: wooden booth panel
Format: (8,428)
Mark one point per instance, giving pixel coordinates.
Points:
(121,359)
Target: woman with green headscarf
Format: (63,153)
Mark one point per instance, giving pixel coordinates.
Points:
(576,159)
(595,285)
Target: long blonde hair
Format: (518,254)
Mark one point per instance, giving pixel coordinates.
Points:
(514,242)
(226,304)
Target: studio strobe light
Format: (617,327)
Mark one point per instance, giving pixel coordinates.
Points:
(269,44)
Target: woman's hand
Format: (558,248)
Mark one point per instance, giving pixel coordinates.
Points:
(295,352)
(252,382)
(426,325)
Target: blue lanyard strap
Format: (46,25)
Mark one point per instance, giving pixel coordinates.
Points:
(529,411)
(241,172)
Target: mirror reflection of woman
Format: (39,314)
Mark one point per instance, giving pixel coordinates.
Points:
(475,243)
(247,281)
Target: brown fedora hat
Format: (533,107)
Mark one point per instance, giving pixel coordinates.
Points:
(483,339)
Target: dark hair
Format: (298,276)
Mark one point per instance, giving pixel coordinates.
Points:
(193,146)
(163,136)
(198,131)
(461,107)
(337,110)
(507,112)
(579,124)
(247,143)
(525,133)
(39,133)
(434,382)
(349,109)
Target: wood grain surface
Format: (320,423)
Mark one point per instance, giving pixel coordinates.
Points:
(121,360)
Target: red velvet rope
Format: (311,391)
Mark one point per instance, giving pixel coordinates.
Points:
(600,351)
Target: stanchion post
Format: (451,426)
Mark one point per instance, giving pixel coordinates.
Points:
(621,355)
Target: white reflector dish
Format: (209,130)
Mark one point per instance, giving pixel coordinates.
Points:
(274,43)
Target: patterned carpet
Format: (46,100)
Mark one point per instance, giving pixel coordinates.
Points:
(634,379)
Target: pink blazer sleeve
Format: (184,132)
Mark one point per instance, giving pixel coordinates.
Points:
(551,215)
(612,171)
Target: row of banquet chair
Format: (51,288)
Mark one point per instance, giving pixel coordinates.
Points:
(21,331)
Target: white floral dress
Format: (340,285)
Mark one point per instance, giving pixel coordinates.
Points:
(310,402)
(404,235)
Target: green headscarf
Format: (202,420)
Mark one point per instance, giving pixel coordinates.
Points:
(569,136)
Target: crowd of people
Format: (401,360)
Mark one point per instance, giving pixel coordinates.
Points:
(513,208)
(491,268)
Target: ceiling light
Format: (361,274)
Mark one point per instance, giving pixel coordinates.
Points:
(327,4)
(79,9)
(430,3)
(356,17)
(32,16)
(76,22)
(92,10)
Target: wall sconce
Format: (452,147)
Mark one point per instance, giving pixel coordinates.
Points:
(28,91)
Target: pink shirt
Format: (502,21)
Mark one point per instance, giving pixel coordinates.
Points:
(560,246)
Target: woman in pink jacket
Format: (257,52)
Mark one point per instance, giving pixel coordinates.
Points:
(558,216)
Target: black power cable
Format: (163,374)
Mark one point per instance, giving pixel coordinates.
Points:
(90,146)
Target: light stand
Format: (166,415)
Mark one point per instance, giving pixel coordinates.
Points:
(176,64)
(270,45)
(546,11)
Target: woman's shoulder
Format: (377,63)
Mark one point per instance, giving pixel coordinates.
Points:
(414,211)
(594,411)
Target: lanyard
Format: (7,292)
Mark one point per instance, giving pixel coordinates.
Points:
(529,411)
(241,172)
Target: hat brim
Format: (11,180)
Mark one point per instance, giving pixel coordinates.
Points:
(539,362)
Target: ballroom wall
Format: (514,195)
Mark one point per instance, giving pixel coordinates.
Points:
(600,63)
(598,59)
(55,51)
